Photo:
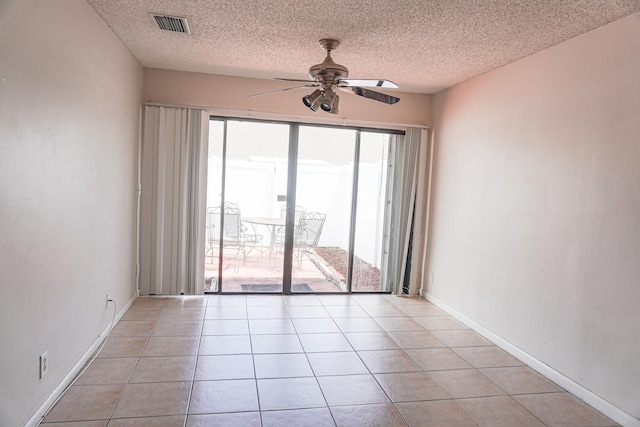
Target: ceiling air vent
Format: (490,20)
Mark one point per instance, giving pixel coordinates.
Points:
(172,23)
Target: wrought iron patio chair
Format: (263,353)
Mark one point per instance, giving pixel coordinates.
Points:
(307,233)
(300,210)
(234,233)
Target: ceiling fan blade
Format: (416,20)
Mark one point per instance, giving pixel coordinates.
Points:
(370,94)
(281,90)
(295,80)
(369,83)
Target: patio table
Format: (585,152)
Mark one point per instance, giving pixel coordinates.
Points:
(273,224)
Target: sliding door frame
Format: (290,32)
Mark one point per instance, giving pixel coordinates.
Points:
(292,163)
(354,209)
(292,167)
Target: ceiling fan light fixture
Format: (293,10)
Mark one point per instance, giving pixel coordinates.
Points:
(334,105)
(328,100)
(313,100)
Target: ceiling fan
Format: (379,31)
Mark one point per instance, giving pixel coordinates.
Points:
(328,76)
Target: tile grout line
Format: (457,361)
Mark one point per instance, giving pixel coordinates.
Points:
(195,366)
(315,377)
(455,400)
(137,360)
(369,369)
(422,371)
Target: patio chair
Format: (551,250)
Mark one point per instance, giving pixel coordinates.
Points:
(234,232)
(279,235)
(308,232)
(300,210)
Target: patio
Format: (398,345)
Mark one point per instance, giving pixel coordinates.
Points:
(322,269)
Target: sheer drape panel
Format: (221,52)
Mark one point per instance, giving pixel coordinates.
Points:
(404,159)
(420,220)
(173,188)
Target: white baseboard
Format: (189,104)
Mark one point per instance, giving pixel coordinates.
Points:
(37,417)
(568,384)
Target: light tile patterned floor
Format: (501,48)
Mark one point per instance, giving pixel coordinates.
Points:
(308,360)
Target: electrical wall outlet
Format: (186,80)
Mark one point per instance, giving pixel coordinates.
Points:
(107,301)
(44,364)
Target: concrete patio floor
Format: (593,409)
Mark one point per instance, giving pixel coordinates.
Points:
(265,268)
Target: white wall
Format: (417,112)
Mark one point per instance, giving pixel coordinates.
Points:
(322,188)
(232,94)
(536,209)
(70,98)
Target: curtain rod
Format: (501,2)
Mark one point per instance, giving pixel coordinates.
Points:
(263,115)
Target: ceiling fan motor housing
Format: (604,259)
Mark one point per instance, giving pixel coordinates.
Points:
(328,72)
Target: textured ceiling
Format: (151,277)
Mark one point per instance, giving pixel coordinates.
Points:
(423,45)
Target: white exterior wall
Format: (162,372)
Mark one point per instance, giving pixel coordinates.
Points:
(328,190)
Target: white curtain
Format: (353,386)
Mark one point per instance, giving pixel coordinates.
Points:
(421,218)
(173,182)
(406,211)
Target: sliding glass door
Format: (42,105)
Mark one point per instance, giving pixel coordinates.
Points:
(295,208)
(371,200)
(324,200)
(247,187)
